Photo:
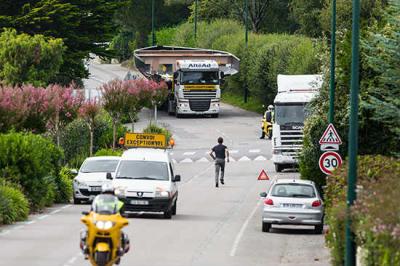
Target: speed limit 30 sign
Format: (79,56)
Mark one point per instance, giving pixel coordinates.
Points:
(329,161)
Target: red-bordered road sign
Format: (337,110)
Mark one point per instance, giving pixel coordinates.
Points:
(330,136)
(329,161)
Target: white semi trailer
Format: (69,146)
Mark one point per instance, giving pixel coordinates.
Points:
(194,76)
(294,93)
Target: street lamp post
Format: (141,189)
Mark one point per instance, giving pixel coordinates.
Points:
(153,36)
(350,259)
(331,117)
(246,39)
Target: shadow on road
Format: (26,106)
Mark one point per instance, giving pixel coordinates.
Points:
(292,230)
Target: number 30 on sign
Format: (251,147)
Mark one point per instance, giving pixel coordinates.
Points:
(329,161)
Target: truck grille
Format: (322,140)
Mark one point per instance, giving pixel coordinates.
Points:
(292,138)
(201,94)
(199,105)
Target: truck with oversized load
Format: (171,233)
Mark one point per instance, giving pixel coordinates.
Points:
(194,76)
(294,93)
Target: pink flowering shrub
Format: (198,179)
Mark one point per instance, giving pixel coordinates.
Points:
(375,214)
(88,111)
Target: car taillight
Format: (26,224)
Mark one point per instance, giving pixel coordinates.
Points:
(268,202)
(316,203)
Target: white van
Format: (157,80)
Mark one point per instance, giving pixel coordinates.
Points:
(145,181)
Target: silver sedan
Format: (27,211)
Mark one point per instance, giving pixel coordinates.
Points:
(294,202)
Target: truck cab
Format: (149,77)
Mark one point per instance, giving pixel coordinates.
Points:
(197,87)
(290,110)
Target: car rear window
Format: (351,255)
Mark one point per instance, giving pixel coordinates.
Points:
(147,170)
(96,166)
(293,190)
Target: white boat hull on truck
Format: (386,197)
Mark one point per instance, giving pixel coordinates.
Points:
(194,76)
(294,93)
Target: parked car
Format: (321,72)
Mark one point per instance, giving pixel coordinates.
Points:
(292,202)
(92,175)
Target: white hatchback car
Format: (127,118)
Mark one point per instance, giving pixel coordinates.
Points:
(293,201)
(92,175)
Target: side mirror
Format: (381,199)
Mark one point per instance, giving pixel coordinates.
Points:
(177,178)
(109,176)
(73,171)
(263,194)
(85,213)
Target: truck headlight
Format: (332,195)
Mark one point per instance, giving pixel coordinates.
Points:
(120,192)
(160,193)
(277,152)
(104,225)
(184,105)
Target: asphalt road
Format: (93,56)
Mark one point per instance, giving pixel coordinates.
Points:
(213,226)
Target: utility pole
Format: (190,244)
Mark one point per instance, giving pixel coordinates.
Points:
(350,259)
(195,20)
(246,39)
(153,36)
(331,117)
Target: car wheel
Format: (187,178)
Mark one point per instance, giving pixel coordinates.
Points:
(266,227)
(174,208)
(278,168)
(168,214)
(77,201)
(318,229)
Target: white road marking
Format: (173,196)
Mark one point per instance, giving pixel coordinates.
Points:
(231,159)
(242,229)
(56,211)
(97,79)
(199,174)
(43,217)
(72,260)
(66,206)
(171,153)
(255,151)
(233,151)
(260,158)
(244,159)
(30,222)
(188,153)
(187,160)
(202,160)
(174,161)
(6,232)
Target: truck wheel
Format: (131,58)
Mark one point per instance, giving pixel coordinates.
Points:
(177,115)
(278,168)
(168,214)
(174,208)
(266,227)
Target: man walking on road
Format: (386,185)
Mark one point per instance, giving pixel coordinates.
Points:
(219,153)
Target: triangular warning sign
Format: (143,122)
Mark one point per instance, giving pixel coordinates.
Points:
(330,136)
(263,175)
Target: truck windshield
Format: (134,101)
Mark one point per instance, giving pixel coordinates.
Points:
(197,77)
(146,170)
(290,113)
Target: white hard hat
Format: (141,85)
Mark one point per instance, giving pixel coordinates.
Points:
(270,107)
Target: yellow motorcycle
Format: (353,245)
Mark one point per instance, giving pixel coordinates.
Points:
(103,242)
(266,128)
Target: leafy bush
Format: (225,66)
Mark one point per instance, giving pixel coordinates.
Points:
(376,228)
(76,140)
(13,204)
(153,128)
(30,161)
(109,152)
(64,186)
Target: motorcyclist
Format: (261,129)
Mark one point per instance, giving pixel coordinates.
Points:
(268,116)
(106,203)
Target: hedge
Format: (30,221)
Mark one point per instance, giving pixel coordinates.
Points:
(376,212)
(13,204)
(33,162)
(267,55)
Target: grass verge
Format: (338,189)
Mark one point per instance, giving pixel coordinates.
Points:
(252,104)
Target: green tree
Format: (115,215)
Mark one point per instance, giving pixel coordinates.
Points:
(307,14)
(84,26)
(29,59)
